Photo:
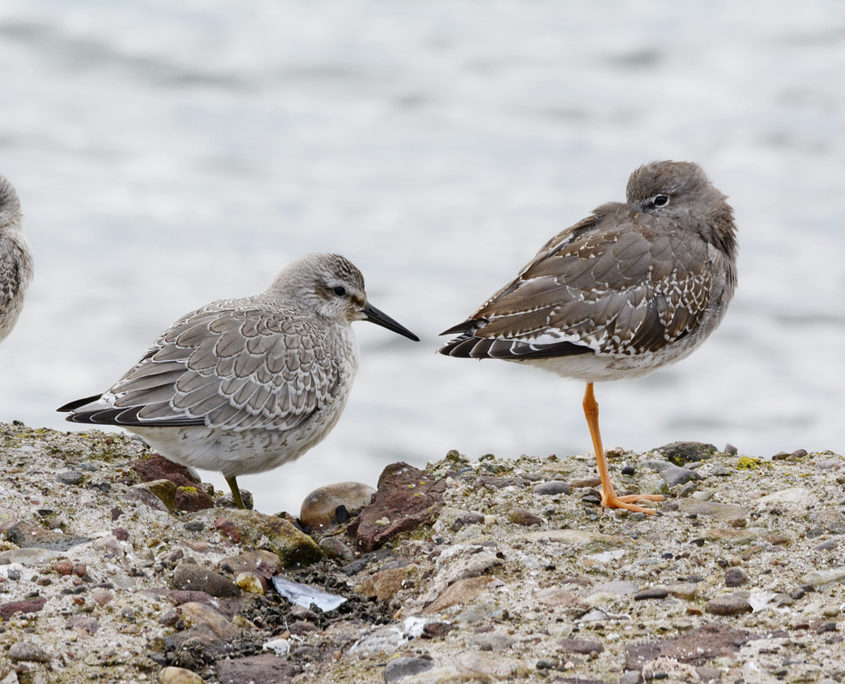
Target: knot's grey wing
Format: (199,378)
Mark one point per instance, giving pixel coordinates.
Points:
(613,284)
(228,369)
(11,276)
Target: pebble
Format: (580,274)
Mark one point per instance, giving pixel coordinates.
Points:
(319,508)
(69,477)
(200,614)
(653,593)
(730,604)
(825,546)
(734,577)
(249,581)
(101,596)
(334,548)
(194,578)
(553,487)
(681,453)
(522,516)
(178,675)
(672,474)
(628,470)
(27,651)
(399,668)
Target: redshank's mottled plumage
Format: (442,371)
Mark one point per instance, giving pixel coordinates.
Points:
(245,385)
(15,259)
(632,287)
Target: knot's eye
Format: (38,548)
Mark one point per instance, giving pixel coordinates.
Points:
(340,291)
(661,200)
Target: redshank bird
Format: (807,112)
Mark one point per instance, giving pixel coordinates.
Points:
(15,259)
(246,385)
(632,287)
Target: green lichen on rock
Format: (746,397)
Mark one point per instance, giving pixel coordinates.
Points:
(292,546)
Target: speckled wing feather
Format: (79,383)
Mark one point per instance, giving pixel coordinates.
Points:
(229,369)
(616,283)
(10,275)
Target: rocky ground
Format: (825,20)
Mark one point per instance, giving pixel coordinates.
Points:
(117,567)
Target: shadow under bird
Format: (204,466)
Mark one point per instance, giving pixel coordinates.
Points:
(631,288)
(245,385)
(15,259)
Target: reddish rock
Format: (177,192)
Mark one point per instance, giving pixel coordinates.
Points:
(259,669)
(406,498)
(159,468)
(63,567)
(192,499)
(228,527)
(696,646)
(121,533)
(84,623)
(25,606)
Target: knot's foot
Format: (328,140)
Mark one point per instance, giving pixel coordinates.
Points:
(627,502)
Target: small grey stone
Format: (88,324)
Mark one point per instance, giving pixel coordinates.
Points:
(731,604)
(13,574)
(28,652)
(673,474)
(734,577)
(628,470)
(730,449)
(553,487)
(399,668)
(653,593)
(825,546)
(630,677)
(334,548)
(69,477)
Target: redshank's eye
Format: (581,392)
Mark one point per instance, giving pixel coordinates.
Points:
(661,200)
(340,291)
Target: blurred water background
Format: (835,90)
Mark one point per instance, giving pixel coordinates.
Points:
(168,154)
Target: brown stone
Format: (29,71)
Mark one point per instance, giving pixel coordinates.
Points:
(261,562)
(159,468)
(383,584)
(26,606)
(522,516)
(204,616)
(259,669)
(320,507)
(696,646)
(192,577)
(730,604)
(228,528)
(406,498)
(459,592)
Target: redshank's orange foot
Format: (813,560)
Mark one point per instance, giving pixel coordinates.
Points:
(628,502)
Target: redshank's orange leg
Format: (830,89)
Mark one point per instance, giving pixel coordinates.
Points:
(609,499)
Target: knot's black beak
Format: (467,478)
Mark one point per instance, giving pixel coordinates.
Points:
(373,315)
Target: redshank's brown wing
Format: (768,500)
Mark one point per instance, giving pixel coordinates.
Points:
(620,282)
